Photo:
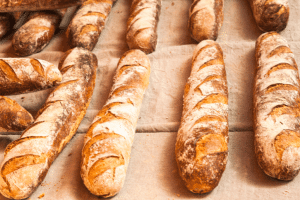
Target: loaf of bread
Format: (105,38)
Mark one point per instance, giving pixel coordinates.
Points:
(21,75)
(206,19)
(33,5)
(37,32)
(276,108)
(27,160)
(6,23)
(107,144)
(86,26)
(13,117)
(271,15)
(142,25)
(201,145)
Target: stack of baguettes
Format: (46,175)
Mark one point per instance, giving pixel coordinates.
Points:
(27,159)
(42,19)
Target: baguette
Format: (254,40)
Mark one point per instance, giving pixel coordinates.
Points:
(34,5)
(88,23)
(271,15)
(142,25)
(13,117)
(21,75)
(206,19)
(107,144)
(202,141)
(37,32)
(27,160)
(276,108)
(6,23)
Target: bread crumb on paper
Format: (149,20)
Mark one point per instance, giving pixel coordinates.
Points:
(41,196)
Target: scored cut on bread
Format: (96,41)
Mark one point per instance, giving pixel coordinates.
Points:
(22,75)
(13,117)
(276,107)
(27,159)
(206,19)
(88,23)
(142,25)
(271,15)
(35,5)
(107,143)
(33,36)
(202,141)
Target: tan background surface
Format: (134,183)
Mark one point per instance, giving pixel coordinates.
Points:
(152,173)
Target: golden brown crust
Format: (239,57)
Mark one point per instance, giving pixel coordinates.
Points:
(107,144)
(201,145)
(276,108)
(88,23)
(142,25)
(33,5)
(206,19)
(37,32)
(28,159)
(13,116)
(270,15)
(21,75)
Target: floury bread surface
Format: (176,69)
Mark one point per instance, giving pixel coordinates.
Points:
(142,25)
(107,144)
(276,108)
(37,32)
(206,19)
(270,15)
(33,5)
(27,160)
(201,145)
(88,23)
(21,75)
(13,117)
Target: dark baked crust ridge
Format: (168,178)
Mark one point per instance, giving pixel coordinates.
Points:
(143,38)
(34,5)
(36,33)
(206,22)
(270,15)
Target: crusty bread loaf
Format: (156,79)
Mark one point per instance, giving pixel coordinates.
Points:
(142,25)
(33,5)
(271,15)
(27,160)
(86,26)
(276,108)
(21,75)
(107,144)
(37,32)
(206,19)
(6,23)
(13,117)
(201,145)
